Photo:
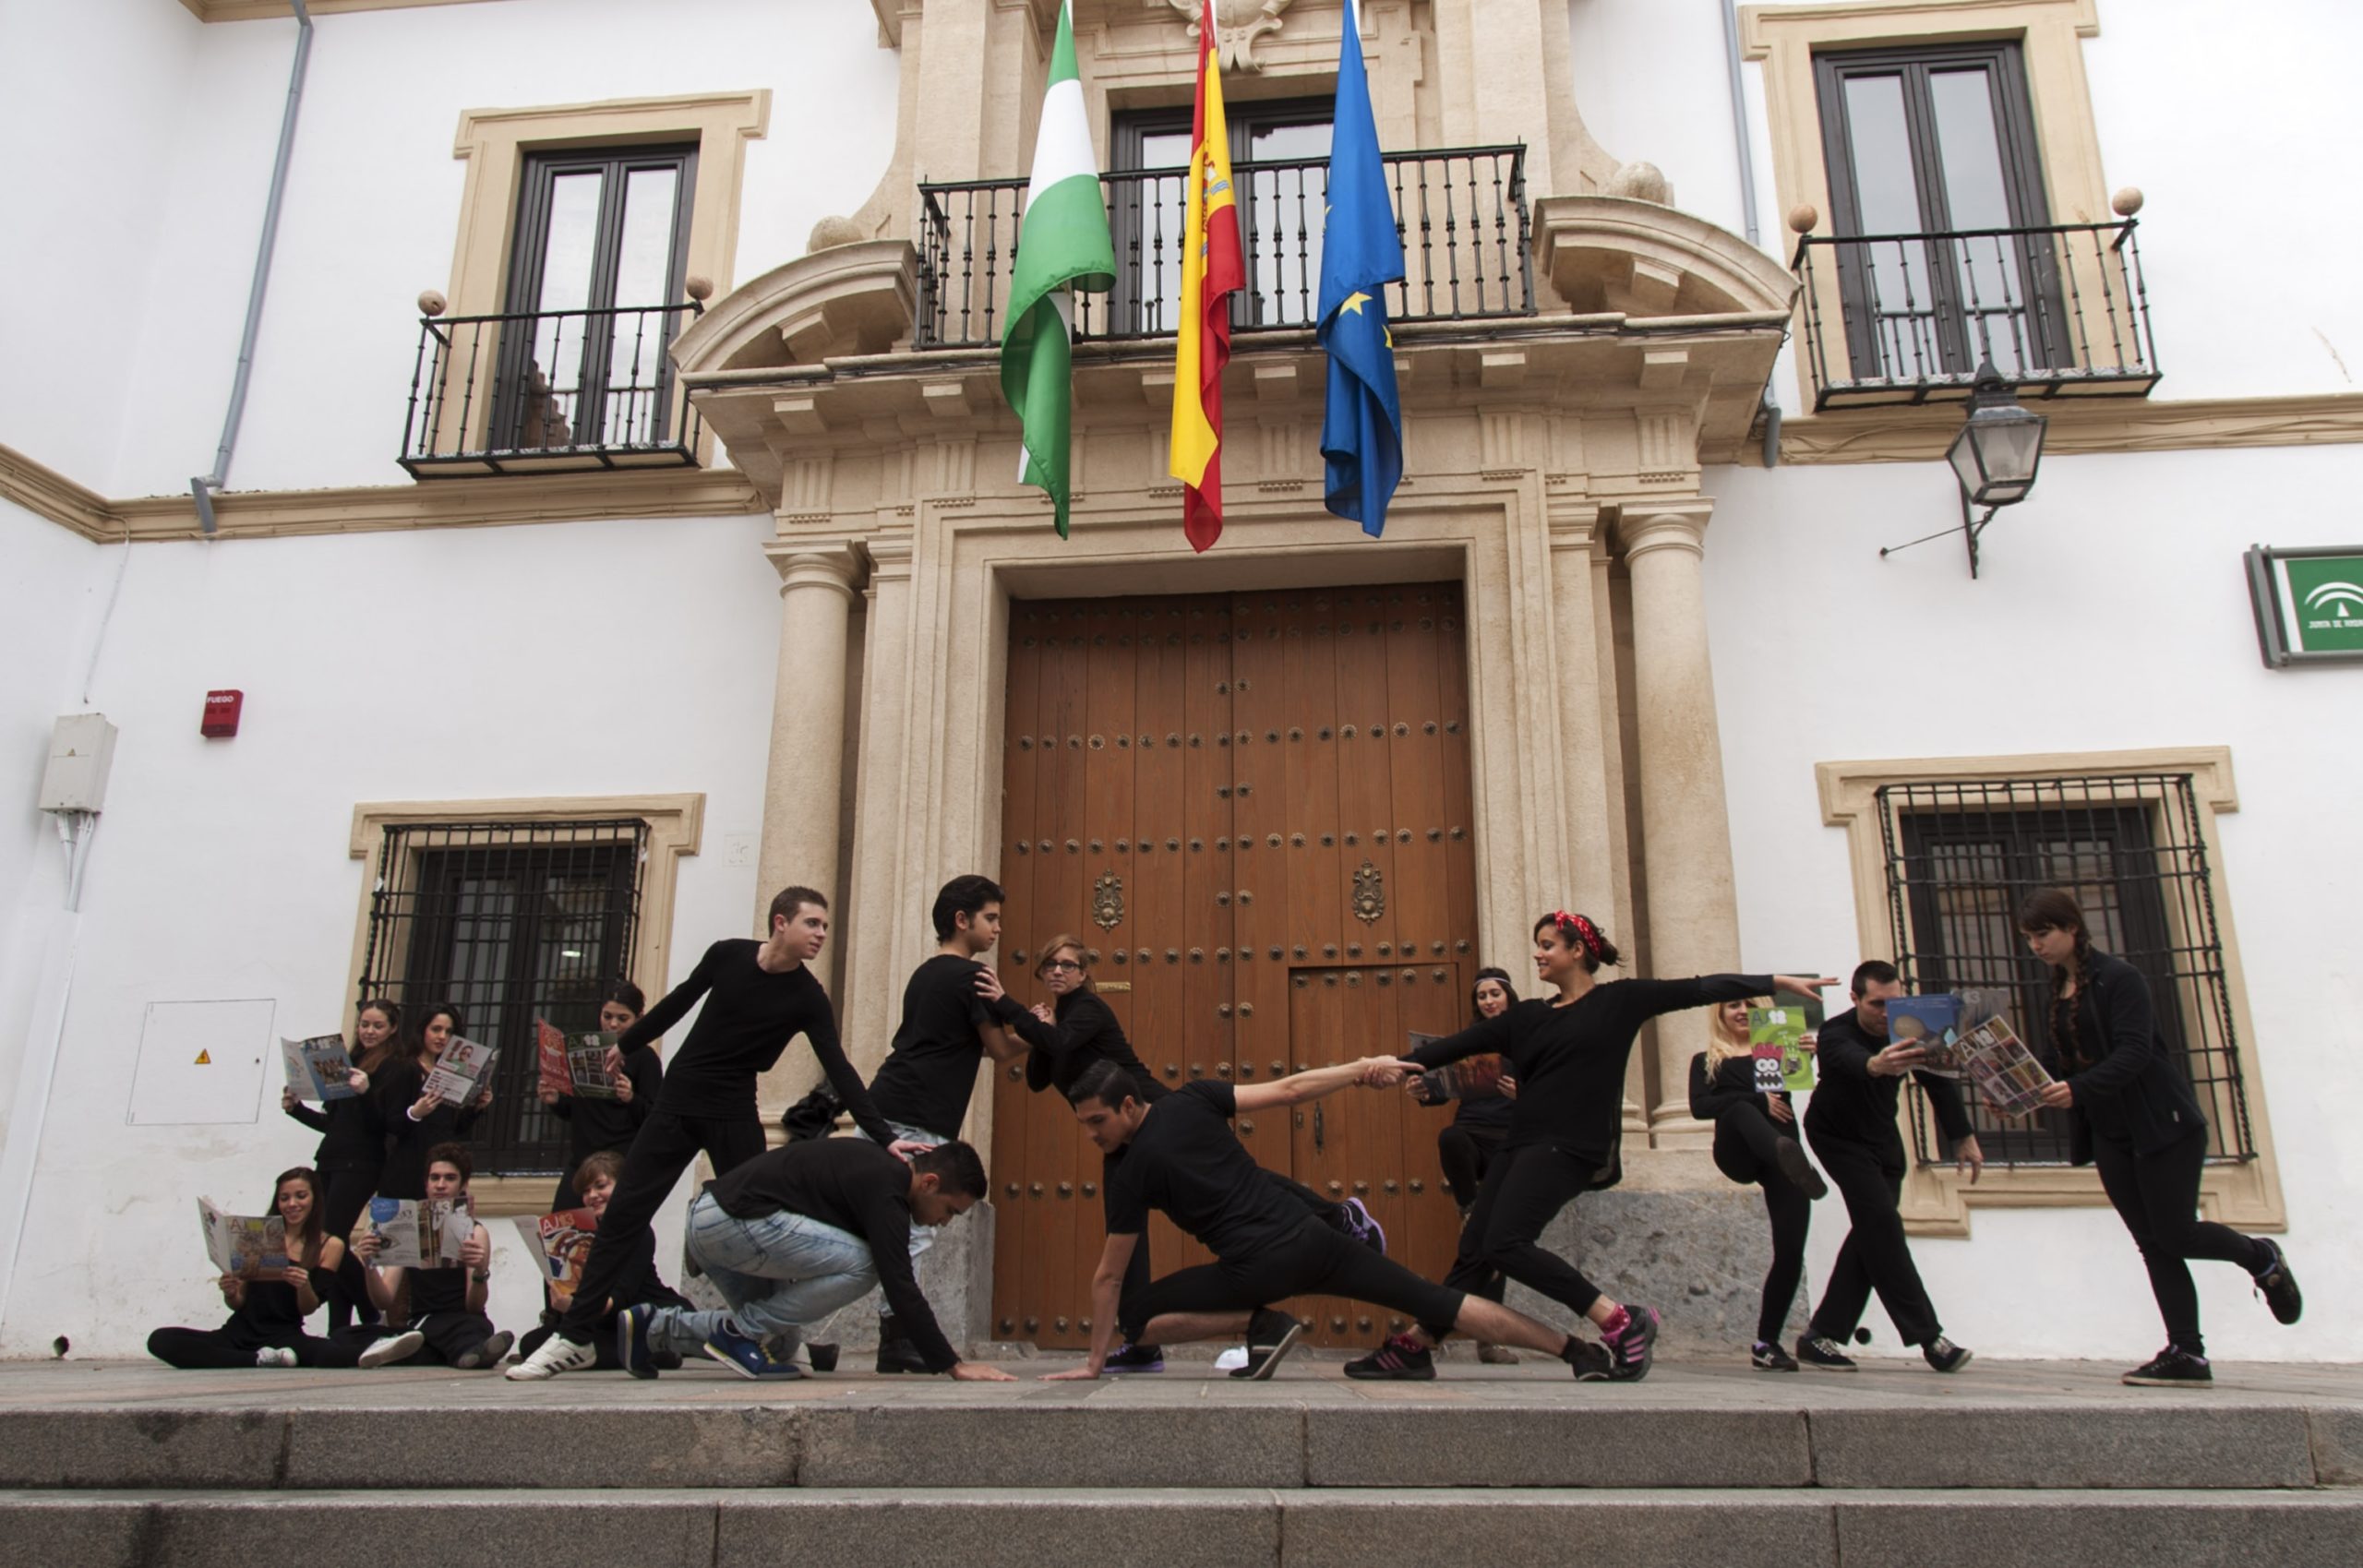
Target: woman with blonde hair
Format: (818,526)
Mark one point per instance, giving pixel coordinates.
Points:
(1754,1145)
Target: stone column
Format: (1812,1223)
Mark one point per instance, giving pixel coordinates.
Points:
(875,896)
(805,786)
(1686,829)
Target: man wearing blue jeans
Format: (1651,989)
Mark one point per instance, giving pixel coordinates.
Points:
(792,1235)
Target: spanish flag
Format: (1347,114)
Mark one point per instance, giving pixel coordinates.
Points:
(1210,270)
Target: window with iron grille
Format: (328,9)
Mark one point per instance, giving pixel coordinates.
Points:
(1960,857)
(507,922)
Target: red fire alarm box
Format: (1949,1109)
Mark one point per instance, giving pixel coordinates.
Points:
(222,714)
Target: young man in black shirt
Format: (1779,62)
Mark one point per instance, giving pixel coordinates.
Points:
(758,997)
(793,1234)
(1181,1158)
(1849,1121)
(948,1028)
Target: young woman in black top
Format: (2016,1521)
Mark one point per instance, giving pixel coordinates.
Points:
(415,1122)
(1465,1147)
(2133,1115)
(1755,1143)
(595,1126)
(1569,1056)
(352,1155)
(266,1326)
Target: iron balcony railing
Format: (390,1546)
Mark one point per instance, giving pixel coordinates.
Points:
(2058,309)
(536,392)
(1461,212)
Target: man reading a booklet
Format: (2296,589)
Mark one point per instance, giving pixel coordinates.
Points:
(791,1236)
(446,1305)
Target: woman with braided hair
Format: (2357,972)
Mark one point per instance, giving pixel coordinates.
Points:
(2132,1115)
(1568,1050)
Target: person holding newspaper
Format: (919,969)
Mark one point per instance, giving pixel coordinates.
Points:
(447,1326)
(416,1119)
(600,1126)
(1756,1144)
(2132,1115)
(1465,1146)
(351,1157)
(638,1284)
(267,1313)
(1567,1054)
(758,996)
(1850,1121)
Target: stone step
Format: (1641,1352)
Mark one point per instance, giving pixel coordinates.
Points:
(431,1431)
(1202,1528)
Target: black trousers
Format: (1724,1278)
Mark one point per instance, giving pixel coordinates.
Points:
(348,1192)
(666,1147)
(1316,1261)
(1467,1153)
(450,1335)
(234,1345)
(2157,1197)
(1875,1255)
(1745,1140)
(1523,1191)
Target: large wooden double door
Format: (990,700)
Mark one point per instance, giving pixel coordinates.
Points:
(1254,809)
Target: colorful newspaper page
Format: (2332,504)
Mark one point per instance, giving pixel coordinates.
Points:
(1783,1029)
(249,1246)
(317,1067)
(1471,1078)
(2008,1078)
(420,1233)
(586,1062)
(1932,1022)
(560,1244)
(550,1057)
(462,1069)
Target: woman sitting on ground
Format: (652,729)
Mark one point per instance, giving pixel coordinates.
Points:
(266,1326)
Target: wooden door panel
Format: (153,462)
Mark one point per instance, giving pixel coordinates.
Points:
(1198,751)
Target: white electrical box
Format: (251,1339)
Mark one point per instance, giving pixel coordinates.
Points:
(81,749)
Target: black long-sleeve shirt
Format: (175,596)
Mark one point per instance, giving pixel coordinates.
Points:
(596,1124)
(353,1131)
(749,1015)
(1569,1061)
(1854,1104)
(1731,1086)
(399,1087)
(929,1076)
(1087,1033)
(2127,1088)
(856,1186)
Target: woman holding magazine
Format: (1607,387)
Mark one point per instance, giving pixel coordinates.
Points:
(1755,1143)
(267,1313)
(352,1155)
(416,1120)
(599,1126)
(1466,1145)
(639,1284)
(2133,1115)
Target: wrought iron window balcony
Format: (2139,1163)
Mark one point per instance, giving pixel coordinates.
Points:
(549,391)
(1461,212)
(2059,309)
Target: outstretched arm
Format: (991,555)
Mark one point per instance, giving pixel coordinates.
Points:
(1107,1302)
(1377,1071)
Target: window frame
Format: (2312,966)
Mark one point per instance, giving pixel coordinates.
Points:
(528,255)
(2042,309)
(1940,1200)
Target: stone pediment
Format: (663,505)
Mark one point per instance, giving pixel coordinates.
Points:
(848,299)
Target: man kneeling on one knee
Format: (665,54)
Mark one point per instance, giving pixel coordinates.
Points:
(792,1235)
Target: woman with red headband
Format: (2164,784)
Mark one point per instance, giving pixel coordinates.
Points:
(1568,1053)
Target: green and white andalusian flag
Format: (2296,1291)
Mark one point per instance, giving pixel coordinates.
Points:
(1062,245)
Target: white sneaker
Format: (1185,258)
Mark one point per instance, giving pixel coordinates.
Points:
(1234,1358)
(400,1348)
(274,1356)
(557,1354)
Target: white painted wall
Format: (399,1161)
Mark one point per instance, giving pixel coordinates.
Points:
(2112,614)
(580,659)
(170,183)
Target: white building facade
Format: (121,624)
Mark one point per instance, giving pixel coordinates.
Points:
(667,559)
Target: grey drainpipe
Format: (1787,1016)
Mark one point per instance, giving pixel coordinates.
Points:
(1746,150)
(203,485)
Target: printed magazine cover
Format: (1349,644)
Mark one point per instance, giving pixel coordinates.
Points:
(560,1244)
(420,1233)
(1778,1035)
(1471,1078)
(317,1067)
(550,1055)
(250,1246)
(586,1061)
(2009,1079)
(1932,1022)
(465,1067)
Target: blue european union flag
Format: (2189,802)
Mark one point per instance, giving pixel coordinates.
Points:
(1362,419)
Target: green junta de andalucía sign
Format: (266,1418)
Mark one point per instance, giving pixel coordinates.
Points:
(2309,603)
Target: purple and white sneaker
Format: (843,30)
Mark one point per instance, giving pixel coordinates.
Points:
(1363,1226)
